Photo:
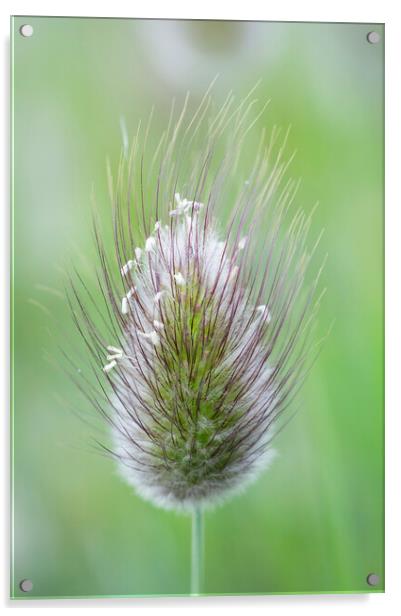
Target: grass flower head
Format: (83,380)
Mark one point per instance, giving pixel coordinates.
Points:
(205,331)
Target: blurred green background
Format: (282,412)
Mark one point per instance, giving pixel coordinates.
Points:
(314,521)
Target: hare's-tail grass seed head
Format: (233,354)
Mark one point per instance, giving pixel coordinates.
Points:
(204,335)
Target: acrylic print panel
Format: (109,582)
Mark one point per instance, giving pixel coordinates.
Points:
(197,348)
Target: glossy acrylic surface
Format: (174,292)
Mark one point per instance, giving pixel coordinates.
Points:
(314,521)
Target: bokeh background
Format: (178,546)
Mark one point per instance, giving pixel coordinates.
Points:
(314,521)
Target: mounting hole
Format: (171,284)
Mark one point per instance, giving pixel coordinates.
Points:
(373,579)
(26,30)
(26,585)
(373,38)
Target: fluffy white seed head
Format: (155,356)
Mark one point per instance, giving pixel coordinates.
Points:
(211,338)
(211,380)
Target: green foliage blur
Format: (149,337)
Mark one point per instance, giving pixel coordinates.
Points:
(314,521)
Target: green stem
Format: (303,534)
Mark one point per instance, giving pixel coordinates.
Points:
(197,552)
